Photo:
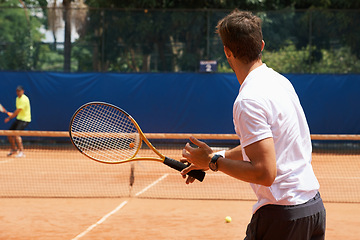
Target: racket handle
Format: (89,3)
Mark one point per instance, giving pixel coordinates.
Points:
(198,174)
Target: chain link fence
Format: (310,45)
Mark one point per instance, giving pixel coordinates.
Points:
(141,40)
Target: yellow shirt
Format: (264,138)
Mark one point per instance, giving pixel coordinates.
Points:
(24,104)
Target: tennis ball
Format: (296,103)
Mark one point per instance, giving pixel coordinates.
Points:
(228,219)
(131,145)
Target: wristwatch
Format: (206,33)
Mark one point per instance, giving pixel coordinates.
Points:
(213,163)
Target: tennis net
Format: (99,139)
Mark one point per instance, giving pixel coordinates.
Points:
(52,167)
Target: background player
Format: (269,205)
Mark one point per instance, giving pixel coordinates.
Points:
(23,118)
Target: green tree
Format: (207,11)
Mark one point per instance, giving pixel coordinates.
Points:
(170,35)
(69,17)
(19,30)
(175,37)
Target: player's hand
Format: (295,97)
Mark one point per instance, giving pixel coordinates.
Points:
(6,120)
(190,167)
(198,158)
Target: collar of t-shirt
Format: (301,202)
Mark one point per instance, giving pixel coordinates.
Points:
(252,73)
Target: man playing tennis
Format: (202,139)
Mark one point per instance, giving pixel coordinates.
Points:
(23,118)
(275,152)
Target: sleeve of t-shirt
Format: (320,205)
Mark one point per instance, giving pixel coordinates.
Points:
(251,122)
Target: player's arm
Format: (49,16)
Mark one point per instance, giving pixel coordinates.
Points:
(234,153)
(262,166)
(13,115)
(260,170)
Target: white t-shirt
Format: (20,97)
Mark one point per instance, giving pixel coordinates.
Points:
(268,106)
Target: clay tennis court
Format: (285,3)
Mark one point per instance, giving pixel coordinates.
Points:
(67,218)
(56,193)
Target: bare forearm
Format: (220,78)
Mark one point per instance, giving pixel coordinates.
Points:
(261,169)
(234,153)
(15,113)
(244,171)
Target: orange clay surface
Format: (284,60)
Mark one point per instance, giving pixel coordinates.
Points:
(35,202)
(43,219)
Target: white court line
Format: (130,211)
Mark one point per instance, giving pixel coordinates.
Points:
(156,182)
(6,161)
(117,209)
(100,221)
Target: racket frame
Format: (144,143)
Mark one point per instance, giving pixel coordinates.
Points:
(141,134)
(198,174)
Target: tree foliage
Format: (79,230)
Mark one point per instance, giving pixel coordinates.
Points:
(19,30)
(174,35)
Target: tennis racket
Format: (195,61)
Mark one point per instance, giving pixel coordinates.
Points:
(107,134)
(3,110)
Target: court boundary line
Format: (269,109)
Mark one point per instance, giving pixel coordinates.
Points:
(100,221)
(152,184)
(103,219)
(8,160)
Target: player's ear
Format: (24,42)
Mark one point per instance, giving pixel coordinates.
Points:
(262,45)
(227,52)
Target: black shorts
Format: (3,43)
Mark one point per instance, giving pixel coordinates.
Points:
(18,125)
(299,222)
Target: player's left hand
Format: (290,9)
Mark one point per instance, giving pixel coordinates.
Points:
(6,120)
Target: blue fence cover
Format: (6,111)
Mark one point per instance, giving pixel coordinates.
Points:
(175,102)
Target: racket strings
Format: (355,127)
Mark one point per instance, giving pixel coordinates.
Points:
(105,133)
(106,147)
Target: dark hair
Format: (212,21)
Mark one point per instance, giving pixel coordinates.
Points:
(21,88)
(241,32)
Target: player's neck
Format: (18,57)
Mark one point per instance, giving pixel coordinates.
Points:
(243,70)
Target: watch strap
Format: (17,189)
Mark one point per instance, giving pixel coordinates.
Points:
(213,162)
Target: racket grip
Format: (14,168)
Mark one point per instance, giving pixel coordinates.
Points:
(198,174)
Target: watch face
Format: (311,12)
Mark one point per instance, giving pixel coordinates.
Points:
(212,166)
